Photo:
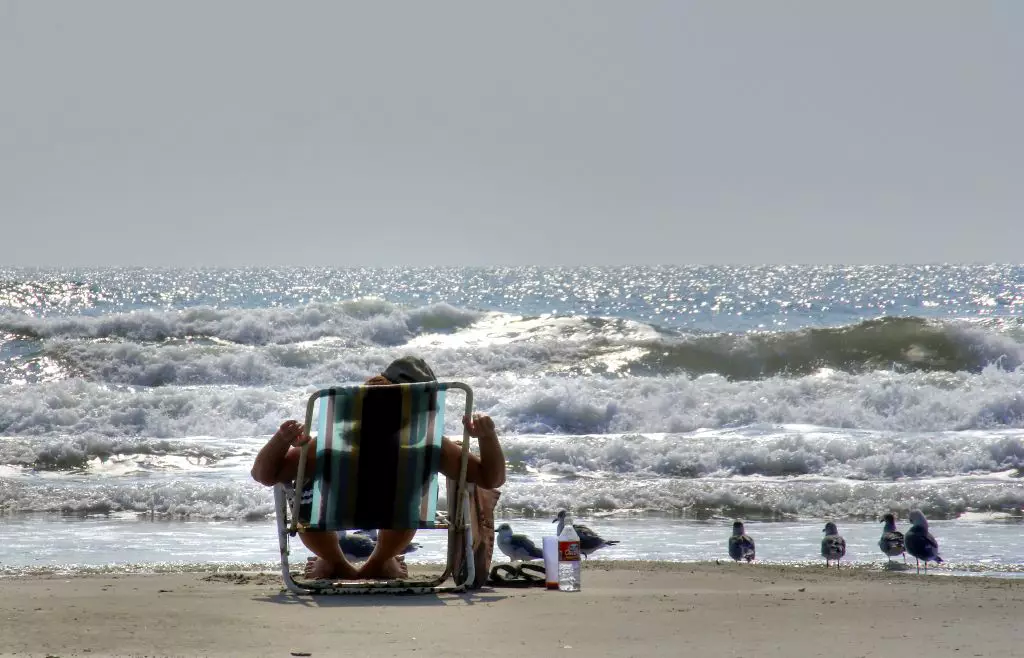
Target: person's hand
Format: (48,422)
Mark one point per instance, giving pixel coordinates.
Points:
(293,433)
(480,426)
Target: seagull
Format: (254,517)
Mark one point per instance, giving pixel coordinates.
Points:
(360,544)
(920,542)
(891,542)
(356,547)
(741,546)
(517,547)
(590,541)
(372,534)
(833,547)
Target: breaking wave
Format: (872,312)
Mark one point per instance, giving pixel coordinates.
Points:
(358,322)
(768,499)
(334,342)
(901,344)
(915,402)
(757,450)
(751,498)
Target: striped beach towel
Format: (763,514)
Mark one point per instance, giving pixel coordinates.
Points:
(377,457)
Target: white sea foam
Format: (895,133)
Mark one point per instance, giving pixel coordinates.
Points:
(771,451)
(557,405)
(232,495)
(358,322)
(180,497)
(777,451)
(758,471)
(765,498)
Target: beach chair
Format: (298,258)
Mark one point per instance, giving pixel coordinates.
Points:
(377,457)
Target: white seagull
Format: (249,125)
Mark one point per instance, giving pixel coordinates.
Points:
(517,547)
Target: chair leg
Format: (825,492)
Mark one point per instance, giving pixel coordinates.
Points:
(468,532)
(461,574)
(281,513)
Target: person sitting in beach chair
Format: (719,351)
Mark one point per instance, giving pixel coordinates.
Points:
(277,462)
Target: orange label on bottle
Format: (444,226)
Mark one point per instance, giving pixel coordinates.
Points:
(568,551)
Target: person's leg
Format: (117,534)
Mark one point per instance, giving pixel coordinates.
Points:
(383,563)
(330,561)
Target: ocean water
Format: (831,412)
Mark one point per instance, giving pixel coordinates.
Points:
(657,403)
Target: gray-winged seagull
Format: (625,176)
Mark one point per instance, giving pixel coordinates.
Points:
(920,542)
(891,542)
(741,546)
(833,547)
(372,534)
(590,541)
(356,547)
(517,547)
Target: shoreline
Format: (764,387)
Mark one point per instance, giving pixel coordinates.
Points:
(971,546)
(995,572)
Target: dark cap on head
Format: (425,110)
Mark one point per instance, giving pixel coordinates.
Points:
(409,370)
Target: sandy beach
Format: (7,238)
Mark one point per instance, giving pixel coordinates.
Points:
(625,609)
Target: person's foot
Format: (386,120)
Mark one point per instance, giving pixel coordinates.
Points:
(318,568)
(393,569)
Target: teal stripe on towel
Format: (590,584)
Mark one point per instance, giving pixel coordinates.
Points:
(433,450)
(341,455)
(418,432)
(314,512)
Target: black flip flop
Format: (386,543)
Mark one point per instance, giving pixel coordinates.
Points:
(534,573)
(506,575)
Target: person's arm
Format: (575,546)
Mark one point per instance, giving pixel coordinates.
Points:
(278,460)
(487,470)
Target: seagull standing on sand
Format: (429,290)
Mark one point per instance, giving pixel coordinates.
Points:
(833,547)
(741,546)
(517,547)
(920,542)
(590,541)
(892,543)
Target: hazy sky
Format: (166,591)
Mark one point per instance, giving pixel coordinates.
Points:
(527,132)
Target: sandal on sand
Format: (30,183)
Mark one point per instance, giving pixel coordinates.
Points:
(535,573)
(506,575)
